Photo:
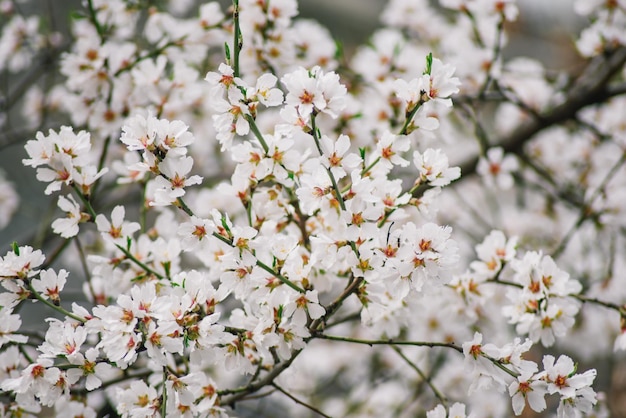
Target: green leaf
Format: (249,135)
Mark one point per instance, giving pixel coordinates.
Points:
(227,52)
(429,63)
(77,15)
(339,50)
(225,224)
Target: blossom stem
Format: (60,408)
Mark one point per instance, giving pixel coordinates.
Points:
(237,38)
(501,366)
(472,18)
(265,267)
(101,160)
(143,209)
(479,130)
(496,54)
(586,299)
(390,212)
(409,117)
(336,304)
(139,263)
(299,218)
(389,342)
(83,263)
(164,401)
(141,375)
(94,19)
(586,210)
(369,167)
(152,54)
(257,133)
(184,207)
(85,201)
(364,171)
(280,277)
(300,402)
(411,343)
(56,253)
(342,204)
(425,378)
(348,318)
(24,352)
(315,134)
(53,306)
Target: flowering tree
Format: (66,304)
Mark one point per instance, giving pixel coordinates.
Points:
(262,225)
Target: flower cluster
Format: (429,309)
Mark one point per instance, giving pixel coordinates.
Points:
(487,363)
(541,307)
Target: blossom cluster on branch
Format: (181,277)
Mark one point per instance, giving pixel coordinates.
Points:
(257,222)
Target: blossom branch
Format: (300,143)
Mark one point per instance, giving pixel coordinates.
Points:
(585,209)
(496,54)
(409,117)
(151,54)
(94,20)
(164,393)
(389,342)
(85,201)
(57,308)
(140,264)
(86,272)
(342,204)
(237,41)
(264,266)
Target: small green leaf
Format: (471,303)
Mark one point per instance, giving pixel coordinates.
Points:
(77,15)
(429,63)
(227,52)
(15,248)
(225,224)
(339,50)
(574,371)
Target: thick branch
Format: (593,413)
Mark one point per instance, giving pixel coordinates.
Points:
(590,88)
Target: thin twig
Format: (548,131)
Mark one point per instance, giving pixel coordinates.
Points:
(586,211)
(389,342)
(425,378)
(590,88)
(300,402)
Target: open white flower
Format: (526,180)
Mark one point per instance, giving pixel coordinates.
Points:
(68,227)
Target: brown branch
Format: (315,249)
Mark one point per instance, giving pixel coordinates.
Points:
(590,88)
(300,402)
(43,63)
(268,379)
